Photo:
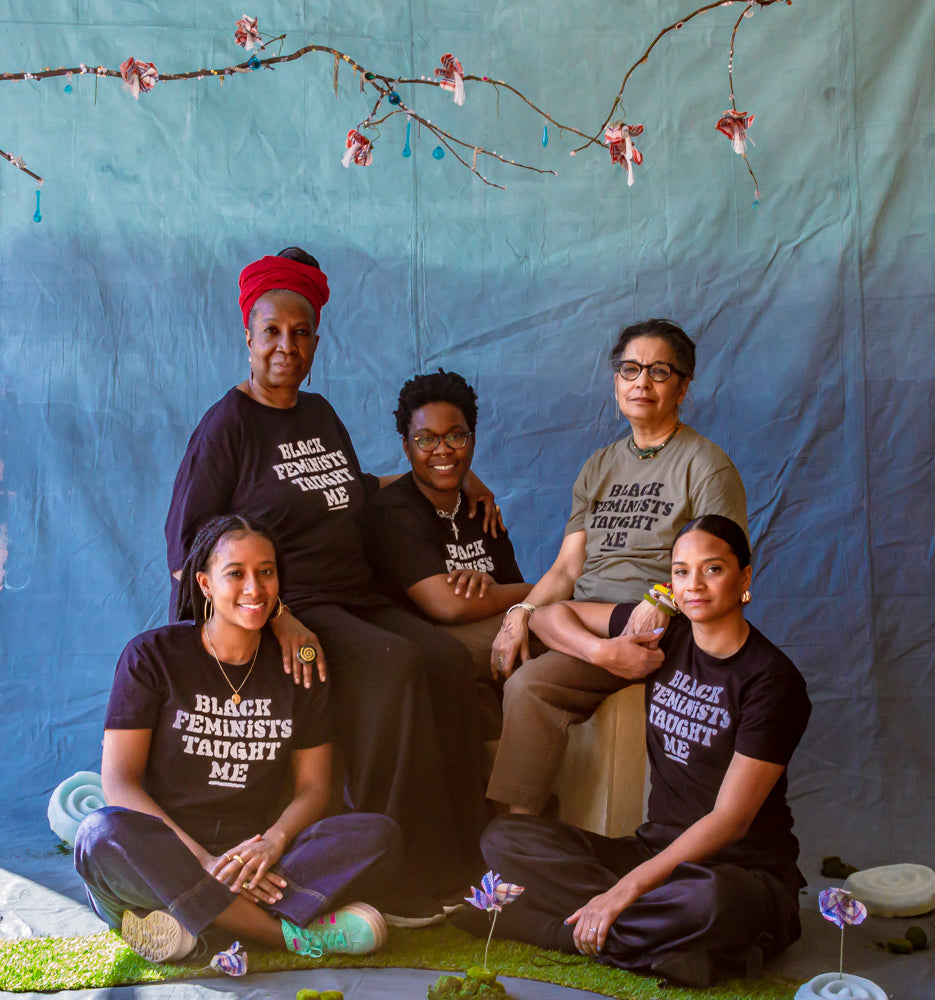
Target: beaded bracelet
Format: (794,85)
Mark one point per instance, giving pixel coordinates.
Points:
(661,597)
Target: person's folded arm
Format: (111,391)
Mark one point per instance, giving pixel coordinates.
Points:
(123,767)
(437,596)
(556,584)
(580,628)
(311,770)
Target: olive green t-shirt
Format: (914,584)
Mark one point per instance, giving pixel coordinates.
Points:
(632,509)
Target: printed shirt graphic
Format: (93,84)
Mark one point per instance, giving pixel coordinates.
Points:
(215,767)
(632,509)
(408,542)
(294,469)
(700,711)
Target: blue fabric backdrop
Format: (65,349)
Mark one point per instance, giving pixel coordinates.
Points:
(813,314)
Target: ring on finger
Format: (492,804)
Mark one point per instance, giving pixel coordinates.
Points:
(306,654)
(239,859)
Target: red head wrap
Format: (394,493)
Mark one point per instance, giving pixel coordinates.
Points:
(267,273)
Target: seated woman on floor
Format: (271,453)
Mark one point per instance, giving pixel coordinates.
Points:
(424,548)
(709,885)
(202,731)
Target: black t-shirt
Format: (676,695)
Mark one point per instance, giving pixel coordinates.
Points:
(407,541)
(700,710)
(215,767)
(294,469)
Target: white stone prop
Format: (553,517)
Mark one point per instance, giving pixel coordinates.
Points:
(71,801)
(839,986)
(894,890)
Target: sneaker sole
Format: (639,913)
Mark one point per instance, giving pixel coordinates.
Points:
(393,920)
(157,937)
(374,918)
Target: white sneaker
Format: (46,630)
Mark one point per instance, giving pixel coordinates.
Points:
(158,936)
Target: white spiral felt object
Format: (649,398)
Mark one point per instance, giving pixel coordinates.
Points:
(832,986)
(894,890)
(71,801)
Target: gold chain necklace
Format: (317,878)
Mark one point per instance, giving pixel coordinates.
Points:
(451,517)
(235,697)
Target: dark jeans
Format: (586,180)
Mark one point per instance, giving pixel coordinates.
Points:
(721,909)
(406,719)
(130,860)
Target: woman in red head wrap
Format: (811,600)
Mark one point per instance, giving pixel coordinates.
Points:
(402,689)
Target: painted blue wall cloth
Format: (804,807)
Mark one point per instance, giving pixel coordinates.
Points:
(814,315)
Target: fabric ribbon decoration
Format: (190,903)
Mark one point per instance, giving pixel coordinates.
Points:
(247,36)
(452,77)
(734,125)
(138,76)
(619,138)
(71,801)
(359,150)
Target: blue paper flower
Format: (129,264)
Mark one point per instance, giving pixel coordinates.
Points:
(233,961)
(494,895)
(840,907)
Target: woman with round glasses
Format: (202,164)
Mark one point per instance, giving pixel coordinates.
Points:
(425,549)
(629,502)
(404,714)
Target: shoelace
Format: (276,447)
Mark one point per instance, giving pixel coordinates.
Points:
(315,942)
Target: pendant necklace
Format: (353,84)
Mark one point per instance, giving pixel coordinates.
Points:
(451,517)
(235,696)
(643,453)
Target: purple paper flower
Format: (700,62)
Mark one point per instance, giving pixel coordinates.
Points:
(840,907)
(494,895)
(233,961)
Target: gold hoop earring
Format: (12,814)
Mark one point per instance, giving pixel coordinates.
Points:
(209,609)
(280,607)
(746,597)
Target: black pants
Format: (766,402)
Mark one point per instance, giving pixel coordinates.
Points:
(405,713)
(721,909)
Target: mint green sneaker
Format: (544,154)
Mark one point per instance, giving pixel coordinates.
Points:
(356,929)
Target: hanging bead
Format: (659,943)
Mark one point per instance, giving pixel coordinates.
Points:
(545,135)
(37,215)
(407,152)
(393,97)
(438,153)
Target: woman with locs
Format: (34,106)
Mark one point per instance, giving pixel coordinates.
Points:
(628,503)
(203,735)
(404,712)
(709,885)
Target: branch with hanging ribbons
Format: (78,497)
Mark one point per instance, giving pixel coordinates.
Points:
(732,123)
(140,77)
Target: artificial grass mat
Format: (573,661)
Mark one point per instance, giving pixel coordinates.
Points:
(103,960)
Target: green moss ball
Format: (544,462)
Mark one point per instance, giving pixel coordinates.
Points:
(917,937)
